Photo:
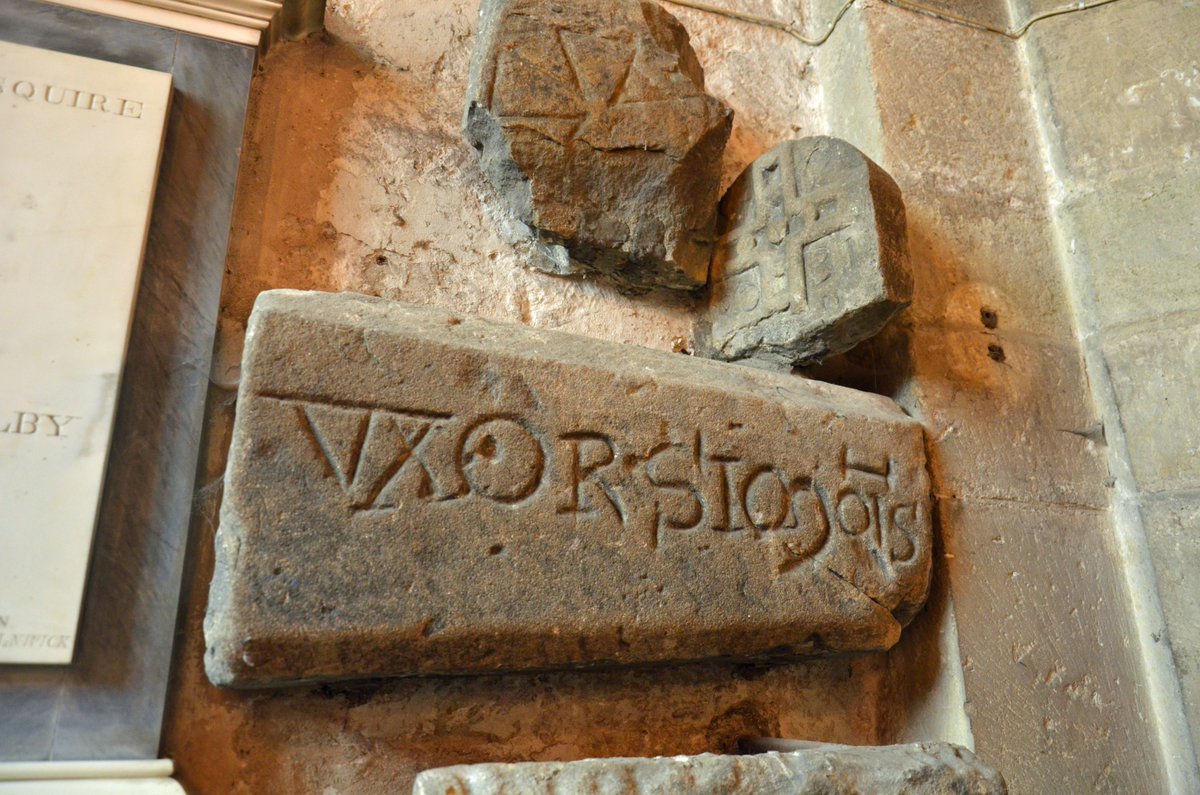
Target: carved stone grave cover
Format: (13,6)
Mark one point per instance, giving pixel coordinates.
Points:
(414,491)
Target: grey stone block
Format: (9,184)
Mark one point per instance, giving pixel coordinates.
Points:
(813,256)
(593,124)
(918,769)
(413,491)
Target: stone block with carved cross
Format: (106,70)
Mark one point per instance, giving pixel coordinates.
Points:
(819,769)
(592,123)
(812,259)
(414,491)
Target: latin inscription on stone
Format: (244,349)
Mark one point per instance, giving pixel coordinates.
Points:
(412,491)
(813,256)
(82,140)
(916,769)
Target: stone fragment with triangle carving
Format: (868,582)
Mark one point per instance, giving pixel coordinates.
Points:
(592,122)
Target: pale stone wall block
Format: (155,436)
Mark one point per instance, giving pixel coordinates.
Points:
(1172,522)
(813,256)
(1155,381)
(1143,276)
(917,769)
(414,491)
(1080,674)
(592,122)
(1118,112)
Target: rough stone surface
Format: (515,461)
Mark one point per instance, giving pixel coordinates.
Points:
(348,133)
(353,131)
(414,491)
(918,769)
(813,256)
(592,122)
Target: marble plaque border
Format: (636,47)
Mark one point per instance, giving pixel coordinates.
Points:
(108,704)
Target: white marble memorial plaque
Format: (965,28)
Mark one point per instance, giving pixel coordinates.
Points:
(81,141)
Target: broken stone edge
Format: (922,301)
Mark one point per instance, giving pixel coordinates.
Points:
(913,769)
(549,252)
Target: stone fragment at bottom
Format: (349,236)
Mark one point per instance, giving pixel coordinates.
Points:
(917,769)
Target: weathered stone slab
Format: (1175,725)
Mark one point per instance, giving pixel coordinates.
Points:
(918,769)
(413,491)
(813,256)
(592,121)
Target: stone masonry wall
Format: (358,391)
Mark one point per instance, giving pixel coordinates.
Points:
(355,177)
(1118,101)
